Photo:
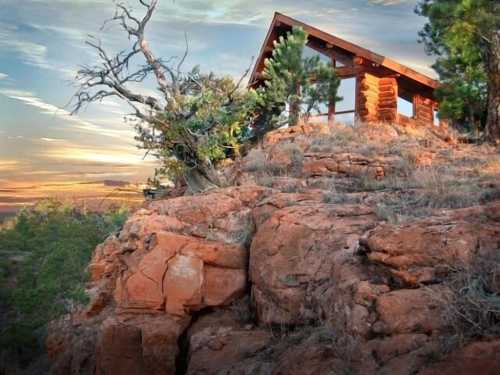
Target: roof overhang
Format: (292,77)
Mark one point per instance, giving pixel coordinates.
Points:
(281,20)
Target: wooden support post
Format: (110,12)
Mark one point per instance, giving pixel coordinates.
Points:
(331,106)
(424,110)
(388,100)
(367,97)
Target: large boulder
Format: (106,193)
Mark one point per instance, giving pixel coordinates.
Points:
(171,259)
(219,342)
(135,345)
(423,251)
(293,253)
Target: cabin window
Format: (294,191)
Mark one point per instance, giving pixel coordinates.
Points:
(435,117)
(338,64)
(347,90)
(321,116)
(310,52)
(344,109)
(405,107)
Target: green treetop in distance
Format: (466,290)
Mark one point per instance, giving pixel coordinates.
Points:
(465,36)
(295,82)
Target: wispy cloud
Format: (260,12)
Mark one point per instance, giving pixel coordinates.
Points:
(9,165)
(51,139)
(29,52)
(3,76)
(95,154)
(32,100)
(388,2)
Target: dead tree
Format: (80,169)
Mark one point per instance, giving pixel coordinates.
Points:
(160,117)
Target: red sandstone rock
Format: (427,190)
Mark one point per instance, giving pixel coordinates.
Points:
(295,132)
(349,164)
(218,343)
(295,250)
(423,250)
(188,254)
(408,311)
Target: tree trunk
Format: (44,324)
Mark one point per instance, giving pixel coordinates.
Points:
(198,180)
(493,119)
(294,113)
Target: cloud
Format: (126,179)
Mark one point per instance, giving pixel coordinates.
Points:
(387,2)
(3,76)
(31,53)
(15,42)
(95,154)
(51,139)
(69,33)
(45,108)
(7,165)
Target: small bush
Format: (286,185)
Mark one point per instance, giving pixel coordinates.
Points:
(285,159)
(472,307)
(288,162)
(341,136)
(255,161)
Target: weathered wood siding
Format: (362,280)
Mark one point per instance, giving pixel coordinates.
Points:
(367,97)
(388,100)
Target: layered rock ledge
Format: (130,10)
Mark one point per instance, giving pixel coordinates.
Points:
(294,270)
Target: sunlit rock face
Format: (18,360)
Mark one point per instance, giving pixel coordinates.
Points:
(293,270)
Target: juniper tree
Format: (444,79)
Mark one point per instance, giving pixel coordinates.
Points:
(465,36)
(293,81)
(192,122)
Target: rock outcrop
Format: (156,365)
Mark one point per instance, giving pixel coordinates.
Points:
(295,277)
(293,253)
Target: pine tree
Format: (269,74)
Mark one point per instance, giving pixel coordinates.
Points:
(299,83)
(465,36)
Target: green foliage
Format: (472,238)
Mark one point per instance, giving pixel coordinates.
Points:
(44,256)
(458,32)
(293,81)
(207,123)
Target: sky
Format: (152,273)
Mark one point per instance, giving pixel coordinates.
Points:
(42,44)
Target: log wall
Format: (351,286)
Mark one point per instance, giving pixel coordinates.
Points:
(367,97)
(377,98)
(377,101)
(388,100)
(424,110)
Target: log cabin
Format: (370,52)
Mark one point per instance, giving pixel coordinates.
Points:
(381,84)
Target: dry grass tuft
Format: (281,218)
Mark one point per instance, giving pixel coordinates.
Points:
(471,308)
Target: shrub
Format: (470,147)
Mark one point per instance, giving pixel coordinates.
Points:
(255,161)
(288,161)
(292,163)
(472,305)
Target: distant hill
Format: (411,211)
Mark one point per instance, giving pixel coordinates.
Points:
(94,195)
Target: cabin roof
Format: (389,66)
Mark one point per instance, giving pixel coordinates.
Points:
(280,19)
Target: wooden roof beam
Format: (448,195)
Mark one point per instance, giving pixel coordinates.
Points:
(329,39)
